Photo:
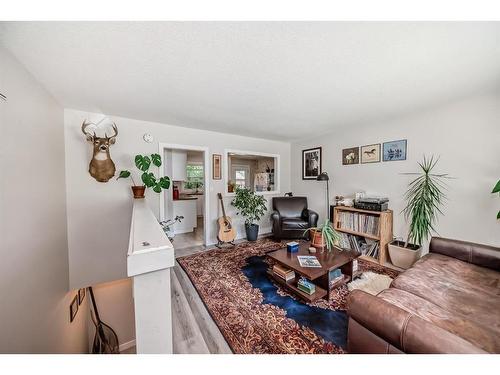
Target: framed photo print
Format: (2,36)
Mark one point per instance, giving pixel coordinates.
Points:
(73,308)
(81,295)
(394,150)
(217,166)
(350,156)
(370,153)
(311,163)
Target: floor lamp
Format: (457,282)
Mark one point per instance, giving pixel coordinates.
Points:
(324,177)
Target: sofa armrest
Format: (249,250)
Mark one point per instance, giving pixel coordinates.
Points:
(276,222)
(401,329)
(481,255)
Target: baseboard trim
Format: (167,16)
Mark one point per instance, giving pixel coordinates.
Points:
(126,345)
(243,237)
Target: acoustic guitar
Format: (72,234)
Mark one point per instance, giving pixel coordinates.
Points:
(227,233)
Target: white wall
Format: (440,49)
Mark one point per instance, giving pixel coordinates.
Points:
(465,134)
(99,213)
(34,312)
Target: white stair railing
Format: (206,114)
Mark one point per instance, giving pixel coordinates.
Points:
(149,259)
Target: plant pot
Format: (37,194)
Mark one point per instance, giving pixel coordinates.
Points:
(404,257)
(138,191)
(252,232)
(317,239)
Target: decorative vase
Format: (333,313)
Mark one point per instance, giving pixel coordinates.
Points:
(252,232)
(138,191)
(404,257)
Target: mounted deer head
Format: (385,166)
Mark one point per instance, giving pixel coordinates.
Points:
(101,166)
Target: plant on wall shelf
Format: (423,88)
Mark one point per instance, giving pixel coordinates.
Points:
(424,199)
(252,207)
(149,179)
(496,189)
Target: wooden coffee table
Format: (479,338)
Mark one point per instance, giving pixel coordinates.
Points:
(346,260)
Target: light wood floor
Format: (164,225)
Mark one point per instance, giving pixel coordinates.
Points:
(193,329)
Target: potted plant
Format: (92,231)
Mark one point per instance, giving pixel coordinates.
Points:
(324,236)
(496,189)
(143,163)
(231,186)
(424,198)
(252,207)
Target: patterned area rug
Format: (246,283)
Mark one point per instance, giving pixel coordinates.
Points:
(256,315)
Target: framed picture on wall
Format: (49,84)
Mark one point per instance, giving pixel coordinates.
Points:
(217,166)
(350,156)
(394,150)
(73,308)
(370,153)
(81,295)
(311,163)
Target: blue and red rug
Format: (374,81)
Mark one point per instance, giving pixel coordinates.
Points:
(256,315)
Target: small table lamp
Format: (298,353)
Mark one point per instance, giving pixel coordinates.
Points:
(324,177)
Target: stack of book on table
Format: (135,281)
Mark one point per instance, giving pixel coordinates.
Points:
(306,286)
(283,273)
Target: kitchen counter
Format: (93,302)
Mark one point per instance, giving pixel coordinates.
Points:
(186,208)
(185,198)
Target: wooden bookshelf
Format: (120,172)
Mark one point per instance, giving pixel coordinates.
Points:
(383,235)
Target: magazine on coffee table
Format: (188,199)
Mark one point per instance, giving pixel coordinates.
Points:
(308,261)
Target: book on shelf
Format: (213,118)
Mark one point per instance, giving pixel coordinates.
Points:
(306,286)
(360,222)
(305,290)
(360,244)
(284,273)
(335,276)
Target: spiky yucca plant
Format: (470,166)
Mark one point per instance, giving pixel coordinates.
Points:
(424,198)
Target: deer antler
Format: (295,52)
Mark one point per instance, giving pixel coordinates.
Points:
(115,129)
(84,131)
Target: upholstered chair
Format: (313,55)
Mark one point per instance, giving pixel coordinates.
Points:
(291,217)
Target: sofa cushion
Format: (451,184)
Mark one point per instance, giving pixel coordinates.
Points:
(452,288)
(294,224)
(472,331)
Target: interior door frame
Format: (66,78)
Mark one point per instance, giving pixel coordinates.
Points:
(206,170)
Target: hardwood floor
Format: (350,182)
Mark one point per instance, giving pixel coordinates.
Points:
(192,239)
(193,329)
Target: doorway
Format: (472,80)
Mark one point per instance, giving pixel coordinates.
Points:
(187,199)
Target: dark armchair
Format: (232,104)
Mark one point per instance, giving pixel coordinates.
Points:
(291,217)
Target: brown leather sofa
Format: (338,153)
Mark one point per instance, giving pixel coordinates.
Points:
(447,302)
(291,217)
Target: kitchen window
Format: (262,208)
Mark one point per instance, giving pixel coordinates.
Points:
(194,177)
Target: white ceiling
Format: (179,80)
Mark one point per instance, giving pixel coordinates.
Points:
(280,80)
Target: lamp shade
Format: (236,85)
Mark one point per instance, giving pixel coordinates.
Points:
(323,177)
